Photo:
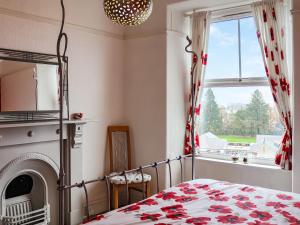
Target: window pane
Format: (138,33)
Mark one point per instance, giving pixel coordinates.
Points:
(223,59)
(252,61)
(240,120)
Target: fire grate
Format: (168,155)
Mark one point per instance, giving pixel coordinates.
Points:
(21,214)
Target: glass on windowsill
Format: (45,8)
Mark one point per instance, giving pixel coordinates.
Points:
(235,157)
(244,156)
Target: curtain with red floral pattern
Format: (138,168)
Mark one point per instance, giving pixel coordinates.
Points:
(270,20)
(200,25)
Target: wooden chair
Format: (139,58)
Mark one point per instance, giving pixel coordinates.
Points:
(120,160)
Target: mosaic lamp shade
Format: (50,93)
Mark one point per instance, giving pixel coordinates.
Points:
(128,12)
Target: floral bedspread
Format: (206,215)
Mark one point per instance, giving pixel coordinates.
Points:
(204,202)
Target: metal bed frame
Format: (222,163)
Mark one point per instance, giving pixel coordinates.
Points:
(62,58)
(141,169)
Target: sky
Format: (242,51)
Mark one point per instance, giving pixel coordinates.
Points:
(223,60)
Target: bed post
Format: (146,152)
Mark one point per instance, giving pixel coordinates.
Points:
(193,86)
(61,59)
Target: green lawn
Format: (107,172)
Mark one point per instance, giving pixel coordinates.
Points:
(238,139)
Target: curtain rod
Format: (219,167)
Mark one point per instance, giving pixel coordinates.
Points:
(218,8)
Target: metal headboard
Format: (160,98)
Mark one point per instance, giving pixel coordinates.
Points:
(140,169)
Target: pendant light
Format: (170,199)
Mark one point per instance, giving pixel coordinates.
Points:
(128,12)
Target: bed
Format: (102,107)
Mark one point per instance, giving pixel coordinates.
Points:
(204,202)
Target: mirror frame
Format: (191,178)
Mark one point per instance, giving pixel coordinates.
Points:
(39,115)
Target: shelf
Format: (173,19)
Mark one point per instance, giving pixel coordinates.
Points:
(43,123)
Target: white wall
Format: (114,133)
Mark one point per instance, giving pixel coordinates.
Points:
(96,53)
(177,88)
(156,24)
(146,98)
(145,85)
(78,13)
(263,176)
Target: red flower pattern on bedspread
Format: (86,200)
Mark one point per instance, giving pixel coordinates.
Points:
(276,205)
(198,220)
(209,202)
(175,212)
(263,216)
(291,218)
(166,195)
(284,197)
(130,208)
(231,219)
(183,199)
(172,208)
(241,197)
(246,205)
(189,191)
(152,217)
(215,192)
(177,215)
(220,209)
(201,186)
(247,189)
(219,198)
(257,222)
(99,217)
(258,197)
(297,205)
(149,202)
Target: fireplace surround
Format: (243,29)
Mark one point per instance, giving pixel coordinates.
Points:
(29,170)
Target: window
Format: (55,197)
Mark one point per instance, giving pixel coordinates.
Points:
(238,114)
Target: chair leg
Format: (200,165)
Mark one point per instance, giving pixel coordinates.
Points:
(148,190)
(115,197)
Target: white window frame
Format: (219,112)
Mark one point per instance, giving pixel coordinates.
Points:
(243,12)
(236,14)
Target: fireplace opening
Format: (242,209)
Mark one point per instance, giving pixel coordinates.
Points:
(21,185)
(26,200)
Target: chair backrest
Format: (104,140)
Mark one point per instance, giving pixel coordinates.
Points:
(119,148)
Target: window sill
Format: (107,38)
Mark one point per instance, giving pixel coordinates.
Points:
(239,164)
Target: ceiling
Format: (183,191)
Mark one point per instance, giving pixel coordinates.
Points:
(187,5)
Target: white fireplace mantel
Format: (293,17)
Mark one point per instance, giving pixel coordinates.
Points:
(42,138)
(43,123)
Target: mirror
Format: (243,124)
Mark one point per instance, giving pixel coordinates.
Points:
(29,86)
